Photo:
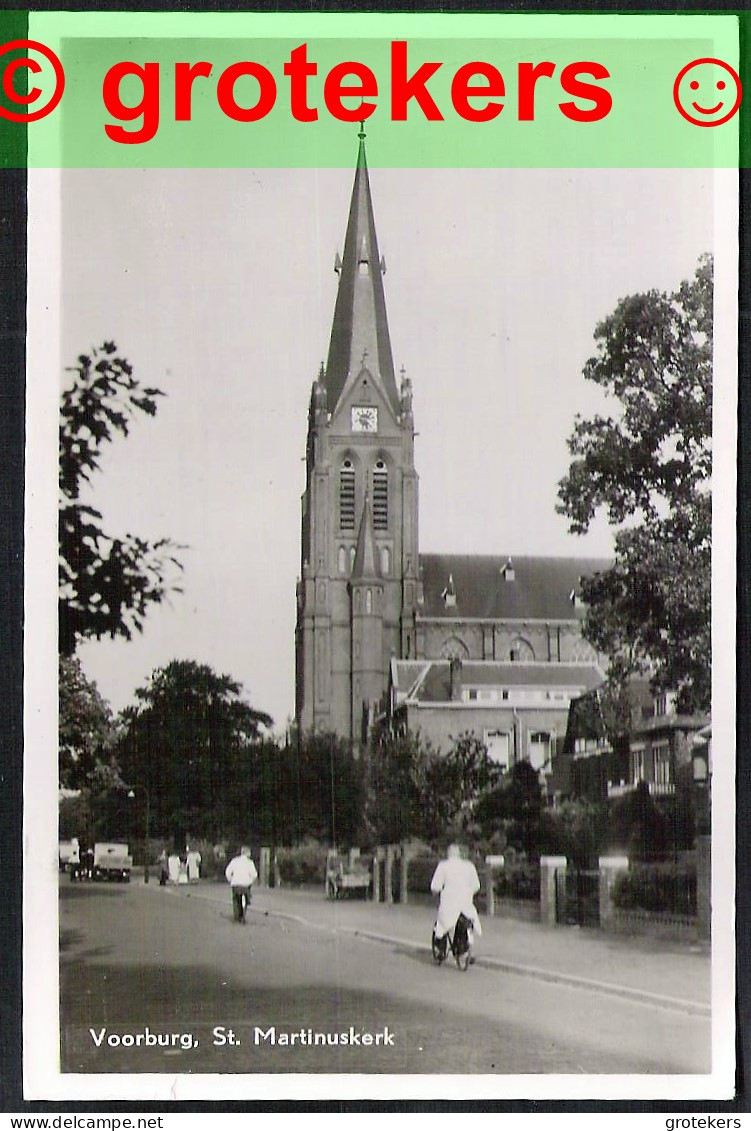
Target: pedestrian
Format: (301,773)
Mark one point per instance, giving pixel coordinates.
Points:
(173,867)
(241,875)
(163,868)
(193,861)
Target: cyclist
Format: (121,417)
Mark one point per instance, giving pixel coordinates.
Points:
(457,882)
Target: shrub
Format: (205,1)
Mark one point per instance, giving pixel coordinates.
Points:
(305,864)
(668,888)
(519,879)
(420,873)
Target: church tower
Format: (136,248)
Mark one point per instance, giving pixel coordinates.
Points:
(357,593)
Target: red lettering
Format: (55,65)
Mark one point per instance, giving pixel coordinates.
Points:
(529,73)
(225,92)
(298,70)
(10,91)
(148,106)
(602,98)
(184,78)
(461,92)
(402,88)
(334,90)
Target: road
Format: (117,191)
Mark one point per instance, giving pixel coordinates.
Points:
(144,964)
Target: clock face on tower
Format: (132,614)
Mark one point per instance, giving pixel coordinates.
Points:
(364,418)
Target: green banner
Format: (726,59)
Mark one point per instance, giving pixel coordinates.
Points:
(280,90)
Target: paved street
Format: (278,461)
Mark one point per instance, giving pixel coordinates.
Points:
(168,968)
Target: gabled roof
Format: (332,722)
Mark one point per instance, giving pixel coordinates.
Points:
(541,588)
(429,681)
(360,333)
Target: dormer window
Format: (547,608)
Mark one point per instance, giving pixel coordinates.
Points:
(507,571)
(449,594)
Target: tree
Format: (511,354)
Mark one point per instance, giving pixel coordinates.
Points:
(86,728)
(192,743)
(106,583)
(648,468)
(397,774)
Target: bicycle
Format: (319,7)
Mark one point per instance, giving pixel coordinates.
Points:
(459,943)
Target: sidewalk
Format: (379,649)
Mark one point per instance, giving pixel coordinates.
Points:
(667,974)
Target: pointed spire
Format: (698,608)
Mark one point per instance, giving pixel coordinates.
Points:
(360,322)
(366,564)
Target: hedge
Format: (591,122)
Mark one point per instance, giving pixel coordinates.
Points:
(657,887)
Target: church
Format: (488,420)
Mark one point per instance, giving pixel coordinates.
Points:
(444,643)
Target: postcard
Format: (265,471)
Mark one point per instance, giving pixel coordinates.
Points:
(380,685)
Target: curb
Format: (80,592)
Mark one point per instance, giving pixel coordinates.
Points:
(645,997)
(612,989)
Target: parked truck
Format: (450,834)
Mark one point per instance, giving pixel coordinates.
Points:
(112,862)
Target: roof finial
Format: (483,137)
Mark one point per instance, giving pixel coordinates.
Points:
(361,134)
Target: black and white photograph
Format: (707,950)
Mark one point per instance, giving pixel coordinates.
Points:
(396,633)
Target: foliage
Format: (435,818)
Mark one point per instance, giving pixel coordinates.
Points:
(86,729)
(453,786)
(192,746)
(638,826)
(305,864)
(420,871)
(396,777)
(518,879)
(106,583)
(324,784)
(418,792)
(514,808)
(657,887)
(648,468)
(577,830)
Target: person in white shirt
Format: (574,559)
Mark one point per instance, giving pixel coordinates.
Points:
(241,875)
(457,882)
(193,864)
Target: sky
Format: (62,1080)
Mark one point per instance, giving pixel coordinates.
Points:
(218,286)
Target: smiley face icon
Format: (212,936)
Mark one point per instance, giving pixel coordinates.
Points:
(707,92)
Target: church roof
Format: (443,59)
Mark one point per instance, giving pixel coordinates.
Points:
(486,587)
(360,333)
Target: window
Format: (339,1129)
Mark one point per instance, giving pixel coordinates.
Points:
(380,496)
(637,765)
(661,763)
(497,743)
(347,496)
(521,650)
(369,601)
(342,560)
(385,560)
(539,749)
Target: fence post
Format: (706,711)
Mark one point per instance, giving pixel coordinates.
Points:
(388,878)
(377,858)
(264,867)
(704,886)
(610,866)
(489,890)
(404,864)
(549,867)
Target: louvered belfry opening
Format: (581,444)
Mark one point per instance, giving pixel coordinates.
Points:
(380,496)
(347,496)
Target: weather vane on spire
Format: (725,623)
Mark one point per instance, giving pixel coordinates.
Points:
(361,134)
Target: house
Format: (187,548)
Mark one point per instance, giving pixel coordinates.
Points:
(519,710)
(655,745)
